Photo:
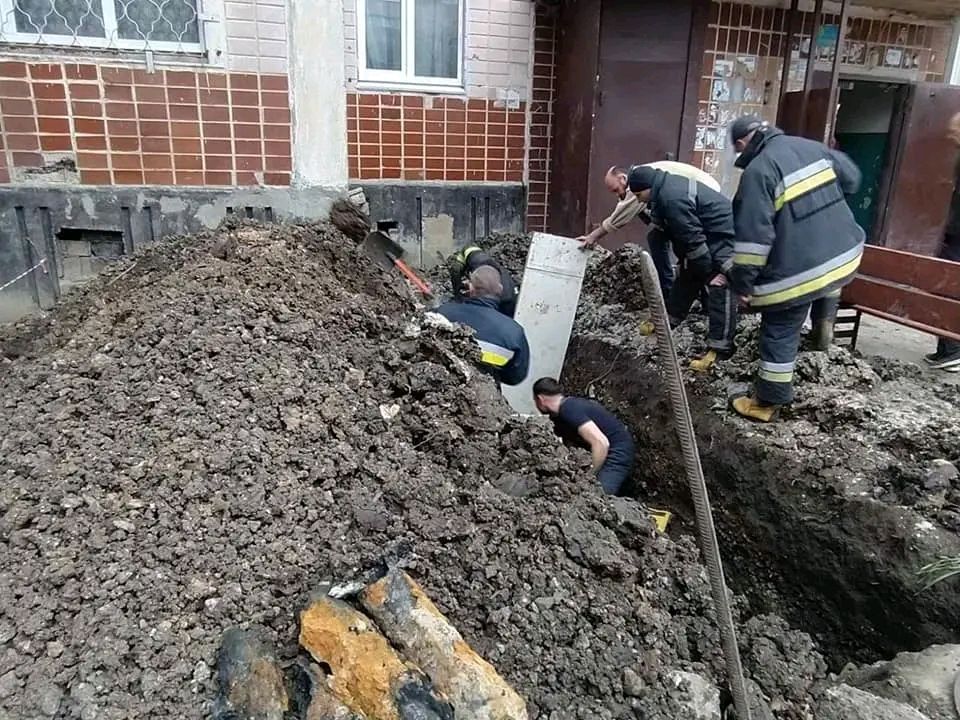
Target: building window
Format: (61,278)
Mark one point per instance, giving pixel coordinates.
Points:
(411,42)
(160,25)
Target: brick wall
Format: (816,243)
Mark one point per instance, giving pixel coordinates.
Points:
(541,119)
(476,135)
(743,64)
(125,126)
(417,137)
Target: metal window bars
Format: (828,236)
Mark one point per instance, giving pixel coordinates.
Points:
(169,26)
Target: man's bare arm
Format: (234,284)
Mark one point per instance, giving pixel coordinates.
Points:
(598,442)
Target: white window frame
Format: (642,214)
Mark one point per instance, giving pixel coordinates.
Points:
(112,40)
(405,78)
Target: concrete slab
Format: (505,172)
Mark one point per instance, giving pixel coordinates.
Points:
(546,307)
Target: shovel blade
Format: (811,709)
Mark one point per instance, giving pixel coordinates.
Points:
(379,247)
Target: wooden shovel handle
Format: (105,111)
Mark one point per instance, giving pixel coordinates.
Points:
(412,276)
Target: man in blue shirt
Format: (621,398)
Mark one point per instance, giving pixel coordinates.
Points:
(587,424)
(503,344)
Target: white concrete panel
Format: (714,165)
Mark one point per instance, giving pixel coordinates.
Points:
(546,307)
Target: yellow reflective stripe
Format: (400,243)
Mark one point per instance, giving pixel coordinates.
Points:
(817,283)
(804,186)
(749,259)
(492,358)
(778,377)
(466,252)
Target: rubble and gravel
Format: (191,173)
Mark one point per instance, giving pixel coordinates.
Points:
(246,414)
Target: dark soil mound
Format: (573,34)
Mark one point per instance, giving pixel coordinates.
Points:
(244,414)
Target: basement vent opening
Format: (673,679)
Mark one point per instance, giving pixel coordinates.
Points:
(84,252)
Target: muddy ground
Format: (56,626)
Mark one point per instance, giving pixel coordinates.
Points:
(199,442)
(825,516)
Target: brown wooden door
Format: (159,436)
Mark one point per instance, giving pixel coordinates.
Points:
(643,67)
(817,113)
(921,177)
(576,78)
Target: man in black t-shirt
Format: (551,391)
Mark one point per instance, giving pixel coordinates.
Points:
(589,425)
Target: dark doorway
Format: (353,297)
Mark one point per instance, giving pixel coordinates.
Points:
(862,131)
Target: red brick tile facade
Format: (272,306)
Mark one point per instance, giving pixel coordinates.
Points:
(417,137)
(129,127)
(541,118)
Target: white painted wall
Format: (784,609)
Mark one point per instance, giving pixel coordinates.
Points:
(497,47)
(257,35)
(316,69)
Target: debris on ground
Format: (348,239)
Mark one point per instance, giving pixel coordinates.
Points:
(196,445)
(349,219)
(924,680)
(847,703)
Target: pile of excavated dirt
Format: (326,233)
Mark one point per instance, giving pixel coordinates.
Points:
(198,440)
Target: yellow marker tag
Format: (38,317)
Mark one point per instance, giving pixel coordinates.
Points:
(661,518)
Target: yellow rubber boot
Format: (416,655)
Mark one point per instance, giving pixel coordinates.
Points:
(702,364)
(647,328)
(749,408)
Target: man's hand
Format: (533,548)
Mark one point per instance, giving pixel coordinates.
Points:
(589,241)
(744,300)
(719,280)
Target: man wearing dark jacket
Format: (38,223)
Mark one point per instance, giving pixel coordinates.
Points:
(947,356)
(503,344)
(469,259)
(797,246)
(699,224)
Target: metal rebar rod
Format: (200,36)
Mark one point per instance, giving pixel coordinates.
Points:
(698,486)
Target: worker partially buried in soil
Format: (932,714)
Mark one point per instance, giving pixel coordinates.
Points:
(587,424)
(505,353)
(698,221)
(464,262)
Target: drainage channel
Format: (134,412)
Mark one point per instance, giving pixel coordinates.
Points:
(836,567)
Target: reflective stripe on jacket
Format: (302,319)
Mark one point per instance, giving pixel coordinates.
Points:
(503,344)
(796,237)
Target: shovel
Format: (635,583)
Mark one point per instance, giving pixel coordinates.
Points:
(386,253)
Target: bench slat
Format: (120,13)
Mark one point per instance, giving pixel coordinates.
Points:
(928,274)
(906,305)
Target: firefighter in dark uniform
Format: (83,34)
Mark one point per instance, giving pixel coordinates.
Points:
(469,259)
(698,221)
(504,352)
(797,246)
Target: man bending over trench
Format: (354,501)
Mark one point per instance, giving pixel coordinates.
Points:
(505,354)
(587,424)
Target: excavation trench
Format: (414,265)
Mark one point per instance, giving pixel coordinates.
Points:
(841,568)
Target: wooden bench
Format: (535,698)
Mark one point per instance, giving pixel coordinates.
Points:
(919,292)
